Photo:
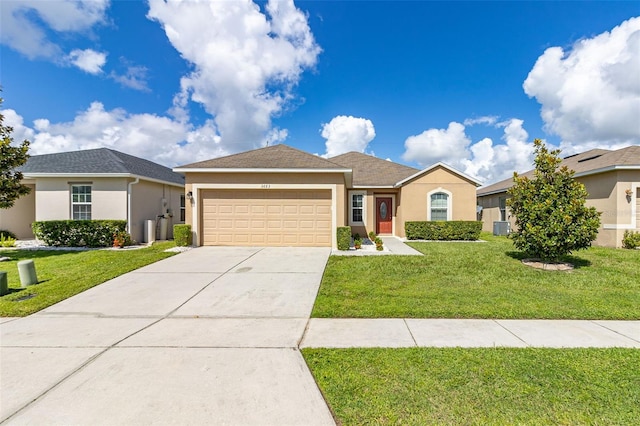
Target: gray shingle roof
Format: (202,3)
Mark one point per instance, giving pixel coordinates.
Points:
(272,157)
(371,171)
(99,161)
(583,163)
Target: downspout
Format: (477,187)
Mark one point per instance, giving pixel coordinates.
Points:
(129,203)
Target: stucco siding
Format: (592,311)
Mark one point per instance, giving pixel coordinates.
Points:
(491,211)
(19,218)
(414,202)
(150,200)
(108,198)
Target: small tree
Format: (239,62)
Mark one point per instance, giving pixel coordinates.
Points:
(551,217)
(11,157)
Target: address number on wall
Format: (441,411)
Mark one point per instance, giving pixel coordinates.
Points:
(265,186)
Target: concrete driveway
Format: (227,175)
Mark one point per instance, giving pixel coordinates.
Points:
(209,336)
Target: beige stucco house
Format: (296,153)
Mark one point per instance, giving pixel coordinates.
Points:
(286,197)
(96,184)
(612,180)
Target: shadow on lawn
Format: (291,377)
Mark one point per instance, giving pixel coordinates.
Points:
(577,262)
(16,255)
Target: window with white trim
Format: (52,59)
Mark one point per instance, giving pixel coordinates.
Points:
(502,205)
(81,202)
(357,208)
(439,206)
(182,207)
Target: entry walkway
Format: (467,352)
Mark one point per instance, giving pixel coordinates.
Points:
(470,333)
(209,336)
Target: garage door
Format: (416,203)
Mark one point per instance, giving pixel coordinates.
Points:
(266,217)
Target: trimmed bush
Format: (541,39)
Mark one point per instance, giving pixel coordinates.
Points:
(343,233)
(7,234)
(182,235)
(457,230)
(631,240)
(78,233)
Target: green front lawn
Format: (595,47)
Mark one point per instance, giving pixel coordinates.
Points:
(480,280)
(62,274)
(422,386)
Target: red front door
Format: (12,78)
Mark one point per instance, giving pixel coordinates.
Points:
(384,221)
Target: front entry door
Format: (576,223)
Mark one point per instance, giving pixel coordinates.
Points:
(384,221)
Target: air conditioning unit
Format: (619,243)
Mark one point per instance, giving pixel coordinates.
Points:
(502,228)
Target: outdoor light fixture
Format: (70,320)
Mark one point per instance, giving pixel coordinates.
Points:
(189,195)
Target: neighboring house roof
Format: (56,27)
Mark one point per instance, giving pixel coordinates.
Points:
(586,163)
(372,171)
(280,157)
(99,162)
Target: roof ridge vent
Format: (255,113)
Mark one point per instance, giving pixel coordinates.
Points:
(589,158)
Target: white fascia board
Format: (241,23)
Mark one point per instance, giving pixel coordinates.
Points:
(433,166)
(75,175)
(607,169)
(242,170)
(494,192)
(97,175)
(373,187)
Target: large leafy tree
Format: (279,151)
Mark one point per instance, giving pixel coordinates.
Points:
(11,157)
(552,219)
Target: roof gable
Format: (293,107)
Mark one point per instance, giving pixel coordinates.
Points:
(372,171)
(272,157)
(436,166)
(100,161)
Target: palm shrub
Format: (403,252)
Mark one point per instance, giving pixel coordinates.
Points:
(552,219)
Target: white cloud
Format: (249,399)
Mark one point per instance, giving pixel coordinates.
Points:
(24,23)
(487,119)
(447,145)
(157,138)
(483,160)
(590,94)
(246,62)
(346,133)
(88,60)
(134,77)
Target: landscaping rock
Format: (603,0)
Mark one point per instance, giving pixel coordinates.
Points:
(548,266)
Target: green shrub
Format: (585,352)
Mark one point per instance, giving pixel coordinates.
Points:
(457,230)
(631,240)
(372,235)
(378,242)
(7,241)
(9,234)
(182,235)
(343,233)
(78,233)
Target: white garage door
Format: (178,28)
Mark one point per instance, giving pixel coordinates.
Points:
(266,217)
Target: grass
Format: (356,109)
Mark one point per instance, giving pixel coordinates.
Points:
(62,274)
(480,280)
(454,386)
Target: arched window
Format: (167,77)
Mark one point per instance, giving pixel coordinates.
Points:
(439,205)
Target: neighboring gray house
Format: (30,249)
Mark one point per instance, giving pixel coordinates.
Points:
(95,184)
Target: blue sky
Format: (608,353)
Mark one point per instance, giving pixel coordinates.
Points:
(467,83)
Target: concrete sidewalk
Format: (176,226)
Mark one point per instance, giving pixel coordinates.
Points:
(470,333)
(209,336)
